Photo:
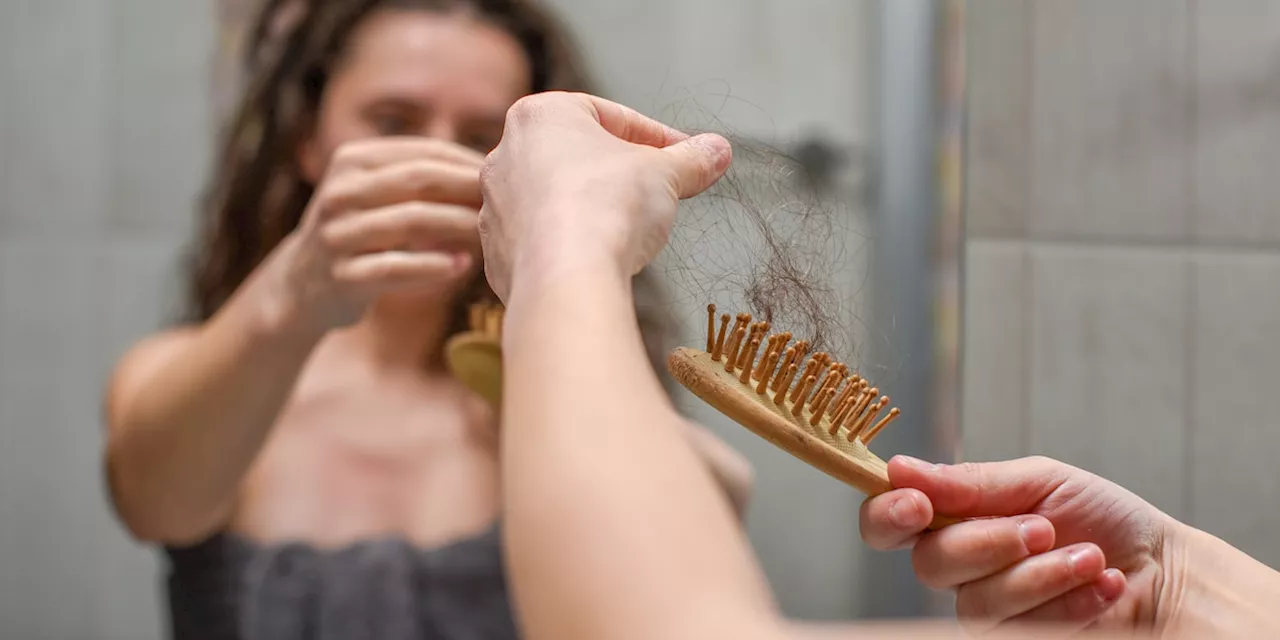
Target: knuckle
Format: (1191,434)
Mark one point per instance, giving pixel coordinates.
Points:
(533,107)
(922,562)
(1079,605)
(972,604)
(488,171)
(336,197)
(330,236)
(423,176)
(350,154)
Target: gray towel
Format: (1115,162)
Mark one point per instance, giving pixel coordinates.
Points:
(229,588)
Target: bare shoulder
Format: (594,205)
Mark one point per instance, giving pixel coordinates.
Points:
(139,363)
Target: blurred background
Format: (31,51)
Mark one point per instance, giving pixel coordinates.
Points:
(1104,298)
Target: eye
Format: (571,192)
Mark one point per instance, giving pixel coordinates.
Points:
(391,124)
(482,141)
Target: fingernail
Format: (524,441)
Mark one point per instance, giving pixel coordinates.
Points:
(900,512)
(1036,534)
(717,147)
(1077,557)
(916,463)
(1111,586)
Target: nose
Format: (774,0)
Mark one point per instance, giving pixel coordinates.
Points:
(442,128)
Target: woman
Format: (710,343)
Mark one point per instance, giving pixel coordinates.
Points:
(579,196)
(298,448)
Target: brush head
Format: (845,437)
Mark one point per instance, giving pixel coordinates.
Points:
(808,405)
(474,357)
(850,462)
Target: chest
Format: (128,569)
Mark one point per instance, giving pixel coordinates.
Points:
(351,461)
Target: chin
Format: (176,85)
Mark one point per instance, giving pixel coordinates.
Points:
(426,301)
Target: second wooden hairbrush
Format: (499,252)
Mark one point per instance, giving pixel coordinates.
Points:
(474,357)
(806,404)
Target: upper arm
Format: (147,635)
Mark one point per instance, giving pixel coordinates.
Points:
(134,371)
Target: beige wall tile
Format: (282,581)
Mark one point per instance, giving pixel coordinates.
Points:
(1109,365)
(1236,431)
(1111,118)
(998,180)
(995,386)
(1237,121)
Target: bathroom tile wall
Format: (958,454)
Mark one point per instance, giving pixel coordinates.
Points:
(1123,252)
(105,141)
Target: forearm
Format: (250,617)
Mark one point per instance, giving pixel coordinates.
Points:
(732,473)
(183,439)
(1218,591)
(602,544)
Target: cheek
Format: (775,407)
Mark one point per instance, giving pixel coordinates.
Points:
(335,130)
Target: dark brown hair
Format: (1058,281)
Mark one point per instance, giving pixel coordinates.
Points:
(257,196)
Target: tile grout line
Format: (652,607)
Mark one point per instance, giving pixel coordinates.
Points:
(1191,268)
(1028,194)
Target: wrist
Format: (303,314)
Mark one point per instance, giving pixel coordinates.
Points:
(1211,587)
(556,264)
(279,313)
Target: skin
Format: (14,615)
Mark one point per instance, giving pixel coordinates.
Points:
(1056,543)
(313,406)
(582,192)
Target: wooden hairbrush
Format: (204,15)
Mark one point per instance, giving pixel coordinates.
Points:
(816,410)
(474,356)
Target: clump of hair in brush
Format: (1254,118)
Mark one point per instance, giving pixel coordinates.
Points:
(765,236)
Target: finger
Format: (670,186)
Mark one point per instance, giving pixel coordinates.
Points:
(895,519)
(1077,608)
(416,225)
(975,490)
(379,152)
(975,549)
(632,126)
(394,270)
(1029,584)
(425,180)
(697,163)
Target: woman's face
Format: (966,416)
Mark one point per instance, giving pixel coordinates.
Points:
(445,76)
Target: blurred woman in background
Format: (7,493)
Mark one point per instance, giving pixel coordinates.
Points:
(298,448)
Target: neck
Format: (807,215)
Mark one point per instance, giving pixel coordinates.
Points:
(397,332)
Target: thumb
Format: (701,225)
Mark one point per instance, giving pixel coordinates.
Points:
(698,162)
(981,489)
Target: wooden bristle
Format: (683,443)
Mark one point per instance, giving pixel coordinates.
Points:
(858,427)
(832,378)
(493,323)
(731,351)
(764,359)
(797,395)
(750,360)
(867,396)
(785,386)
(841,410)
(804,346)
(855,406)
(789,360)
(764,380)
(875,431)
(711,328)
(820,407)
(849,388)
(724,328)
(803,391)
(754,333)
